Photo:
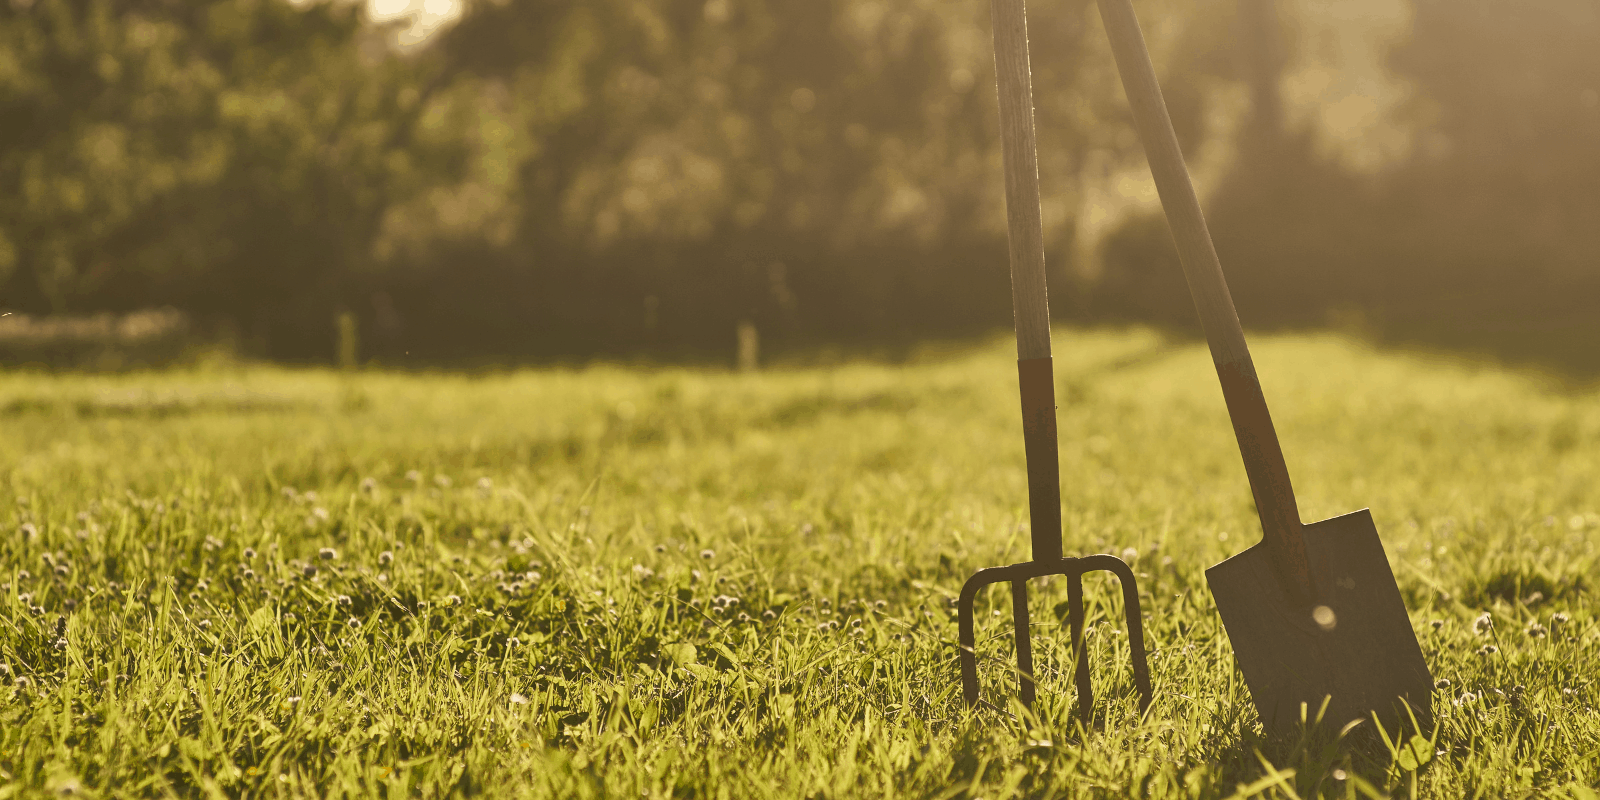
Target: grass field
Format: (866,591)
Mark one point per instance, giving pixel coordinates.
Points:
(676,583)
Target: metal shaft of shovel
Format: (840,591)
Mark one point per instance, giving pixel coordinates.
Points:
(1037,387)
(1312,611)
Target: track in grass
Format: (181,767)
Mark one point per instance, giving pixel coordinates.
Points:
(662,582)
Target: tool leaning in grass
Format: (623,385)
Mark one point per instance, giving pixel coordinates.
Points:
(1037,383)
(1312,611)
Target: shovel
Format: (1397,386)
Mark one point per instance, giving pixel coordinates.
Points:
(1035,376)
(1316,620)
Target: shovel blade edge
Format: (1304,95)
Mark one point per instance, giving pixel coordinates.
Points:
(1363,657)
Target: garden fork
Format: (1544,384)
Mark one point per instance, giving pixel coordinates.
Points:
(1037,382)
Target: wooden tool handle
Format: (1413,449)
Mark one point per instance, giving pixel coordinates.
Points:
(1252,425)
(1028,298)
(1017,147)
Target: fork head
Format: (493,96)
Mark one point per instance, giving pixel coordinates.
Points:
(1073,569)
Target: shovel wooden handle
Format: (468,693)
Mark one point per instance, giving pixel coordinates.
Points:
(1247,406)
(1025,232)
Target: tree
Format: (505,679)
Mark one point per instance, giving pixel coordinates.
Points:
(233,157)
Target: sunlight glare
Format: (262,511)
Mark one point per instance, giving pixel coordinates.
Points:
(390,8)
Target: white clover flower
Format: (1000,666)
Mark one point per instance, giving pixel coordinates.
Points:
(1483,624)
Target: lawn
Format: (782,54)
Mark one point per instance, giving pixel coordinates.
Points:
(661,582)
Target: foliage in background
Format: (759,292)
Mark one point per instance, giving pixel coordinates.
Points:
(234,158)
(546,178)
(1483,232)
(104,341)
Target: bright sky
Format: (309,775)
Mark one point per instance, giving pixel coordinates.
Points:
(426,16)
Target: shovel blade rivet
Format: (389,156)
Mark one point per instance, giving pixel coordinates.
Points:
(1325,618)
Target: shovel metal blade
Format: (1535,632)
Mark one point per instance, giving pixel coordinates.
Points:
(1355,648)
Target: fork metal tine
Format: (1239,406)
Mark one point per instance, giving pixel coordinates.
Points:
(1019,620)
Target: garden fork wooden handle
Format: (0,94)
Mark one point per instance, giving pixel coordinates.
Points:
(1028,296)
(1020,154)
(1241,389)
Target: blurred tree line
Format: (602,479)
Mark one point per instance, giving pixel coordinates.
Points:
(545,178)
